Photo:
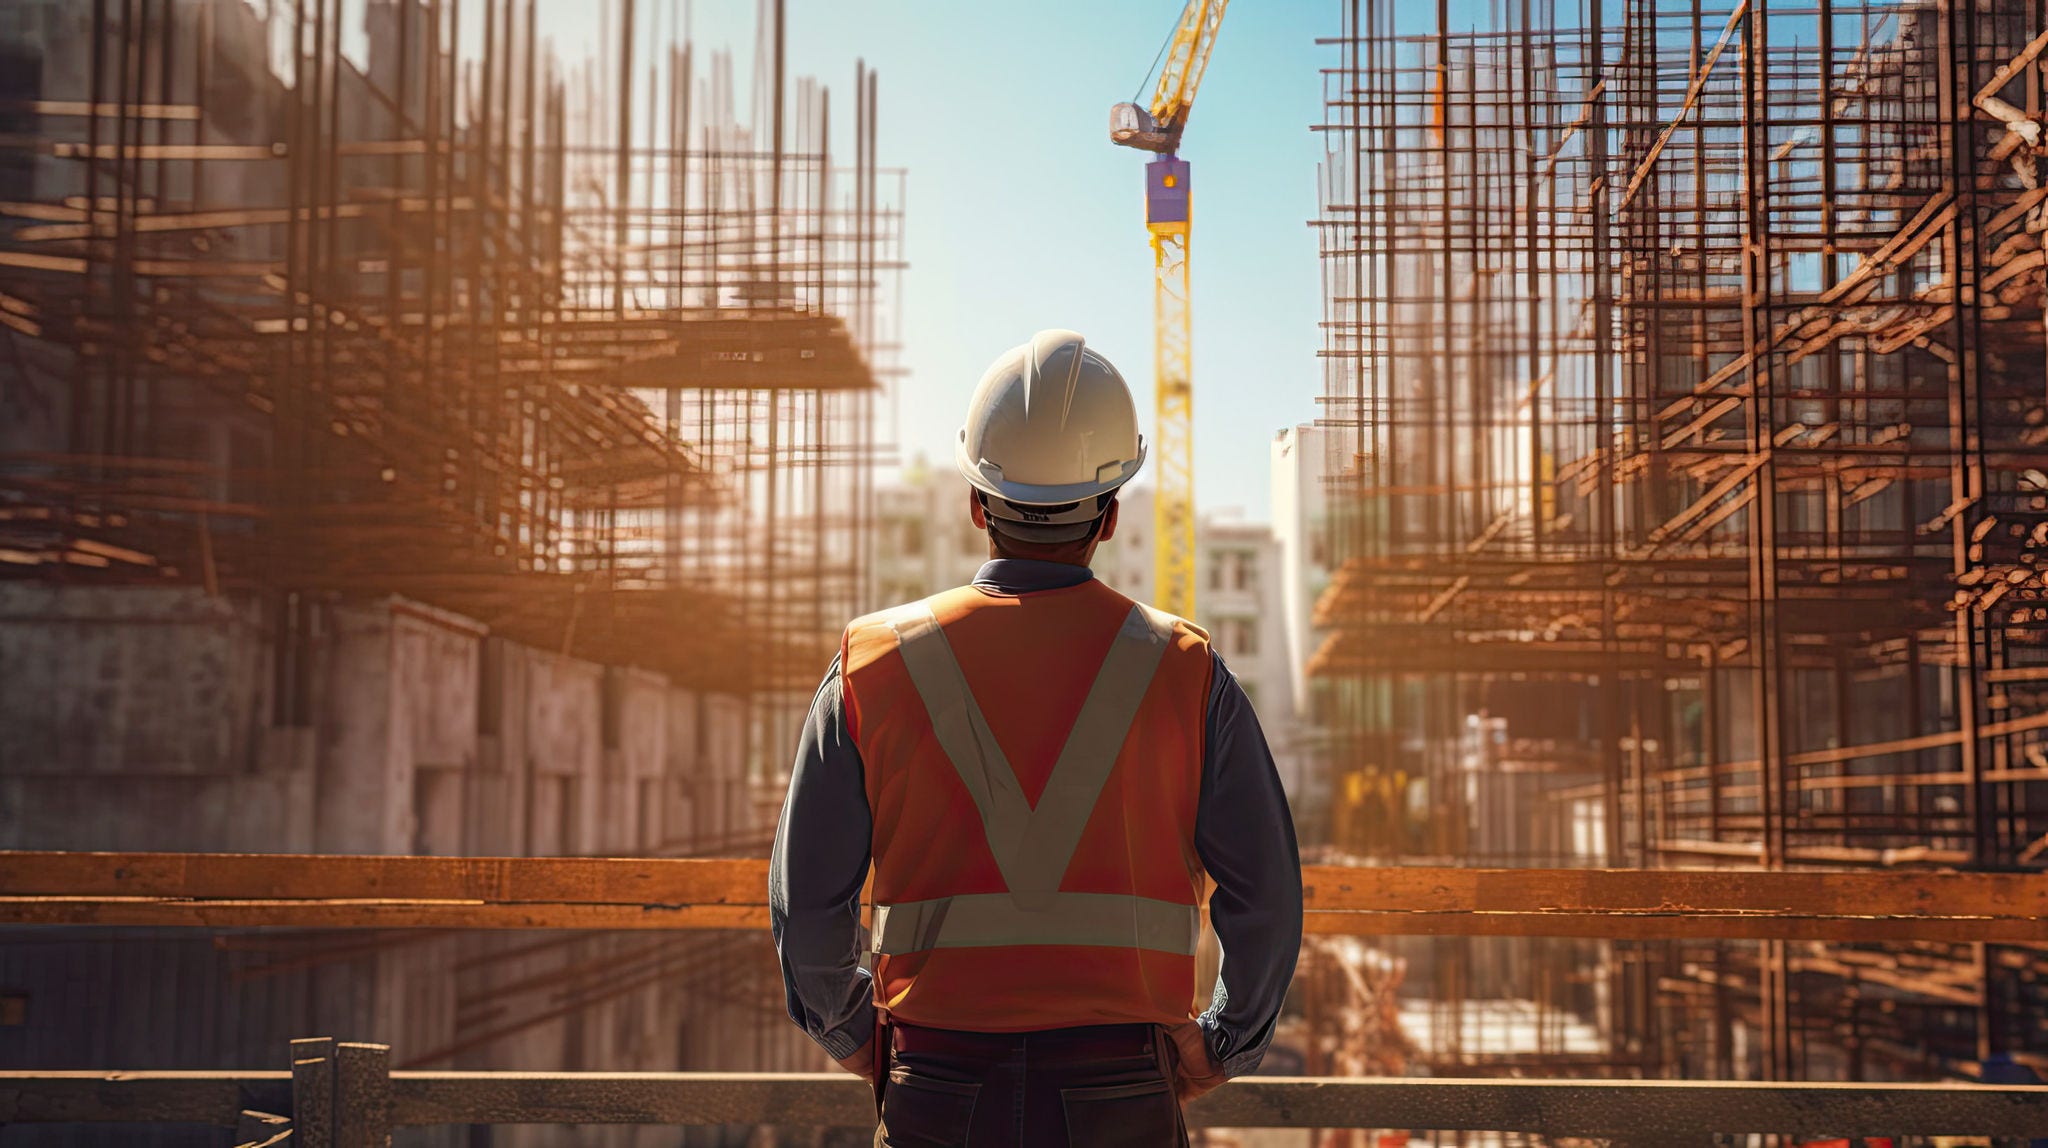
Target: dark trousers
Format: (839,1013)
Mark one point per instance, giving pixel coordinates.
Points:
(1105,1086)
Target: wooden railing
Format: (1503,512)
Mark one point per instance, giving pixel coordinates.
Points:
(341,1095)
(346,1096)
(221,890)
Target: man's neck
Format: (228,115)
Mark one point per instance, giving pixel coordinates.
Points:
(1026,575)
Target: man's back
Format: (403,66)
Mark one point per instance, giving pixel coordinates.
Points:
(1078,805)
(1040,773)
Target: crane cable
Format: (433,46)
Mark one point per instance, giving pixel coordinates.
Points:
(1172,33)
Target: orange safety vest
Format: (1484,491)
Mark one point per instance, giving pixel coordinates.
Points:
(1033,764)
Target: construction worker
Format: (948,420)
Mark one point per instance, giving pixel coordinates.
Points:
(1041,772)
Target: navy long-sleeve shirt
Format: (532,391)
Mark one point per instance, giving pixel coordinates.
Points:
(1243,834)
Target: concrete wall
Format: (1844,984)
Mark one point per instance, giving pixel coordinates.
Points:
(140,719)
(559,702)
(117,706)
(397,716)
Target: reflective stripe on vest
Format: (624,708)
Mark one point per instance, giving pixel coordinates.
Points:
(984,920)
(1032,846)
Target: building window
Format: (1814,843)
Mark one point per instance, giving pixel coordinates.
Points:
(1248,639)
(913,536)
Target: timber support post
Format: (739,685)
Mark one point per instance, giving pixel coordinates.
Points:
(341,1094)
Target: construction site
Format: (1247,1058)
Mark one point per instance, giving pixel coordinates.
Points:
(435,471)
(420,451)
(1684,377)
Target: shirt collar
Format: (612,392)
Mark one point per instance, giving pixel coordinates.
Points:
(1025,575)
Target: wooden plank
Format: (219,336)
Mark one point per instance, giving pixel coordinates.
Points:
(1645,1111)
(322,892)
(313,1092)
(673,883)
(362,1095)
(1650,1110)
(265,876)
(68,150)
(1726,891)
(55,212)
(1676,925)
(104,111)
(108,1097)
(208,268)
(65,263)
(350,914)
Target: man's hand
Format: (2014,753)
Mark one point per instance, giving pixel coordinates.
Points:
(1194,1073)
(862,1063)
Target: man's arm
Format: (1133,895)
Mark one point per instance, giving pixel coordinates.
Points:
(814,880)
(1244,834)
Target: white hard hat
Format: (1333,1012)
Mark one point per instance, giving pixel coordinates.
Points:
(1051,433)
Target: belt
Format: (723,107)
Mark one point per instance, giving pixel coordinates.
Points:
(1086,1042)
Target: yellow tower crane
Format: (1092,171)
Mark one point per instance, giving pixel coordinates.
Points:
(1157,129)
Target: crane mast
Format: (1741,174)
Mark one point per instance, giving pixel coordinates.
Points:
(1173,451)
(1157,128)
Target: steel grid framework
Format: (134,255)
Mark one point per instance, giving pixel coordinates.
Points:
(588,353)
(1684,364)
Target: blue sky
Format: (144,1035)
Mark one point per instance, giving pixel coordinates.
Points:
(1022,215)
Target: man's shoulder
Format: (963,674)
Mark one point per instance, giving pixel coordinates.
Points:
(890,617)
(1186,629)
(872,635)
(1187,634)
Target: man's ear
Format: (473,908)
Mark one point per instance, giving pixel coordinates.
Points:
(1108,530)
(975,511)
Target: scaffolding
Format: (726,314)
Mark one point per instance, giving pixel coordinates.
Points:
(589,354)
(315,302)
(1683,369)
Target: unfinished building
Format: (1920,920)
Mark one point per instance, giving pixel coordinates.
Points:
(1684,374)
(406,449)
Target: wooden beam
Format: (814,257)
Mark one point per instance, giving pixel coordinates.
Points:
(1640,1111)
(286,876)
(224,890)
(353,914)
(1677,903)
(63,149)
(104,111)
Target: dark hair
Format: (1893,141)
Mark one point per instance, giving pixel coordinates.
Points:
(1011,539)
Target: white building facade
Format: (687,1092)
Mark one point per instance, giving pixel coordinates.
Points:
(924,540)
(1300,507)
(1240,598)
